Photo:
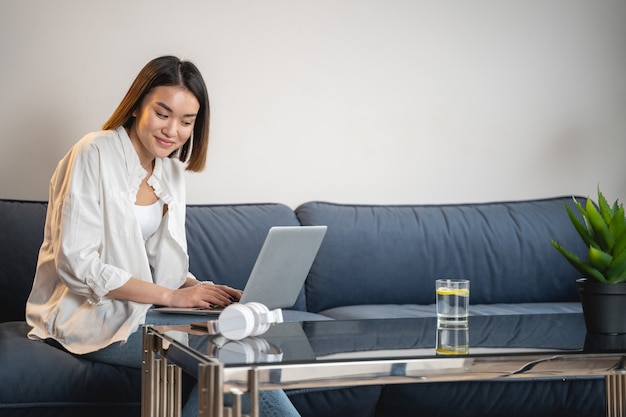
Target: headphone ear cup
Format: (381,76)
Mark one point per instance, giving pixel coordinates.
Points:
(237,321)
(260,322)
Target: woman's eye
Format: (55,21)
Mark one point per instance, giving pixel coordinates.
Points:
(161,115)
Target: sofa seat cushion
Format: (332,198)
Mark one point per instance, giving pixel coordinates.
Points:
(297,315)
(391,311)
(541,397)
(525,308)
(35,375)
(357,401)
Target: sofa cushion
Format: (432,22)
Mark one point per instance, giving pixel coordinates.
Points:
(541,397)
(21,223)
(36,376)
(397,252)
(357,401)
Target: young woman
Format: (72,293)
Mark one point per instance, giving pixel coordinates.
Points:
(114,240)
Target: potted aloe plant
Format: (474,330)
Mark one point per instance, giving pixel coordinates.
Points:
(602,287)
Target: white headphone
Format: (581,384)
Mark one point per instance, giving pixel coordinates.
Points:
(238,321)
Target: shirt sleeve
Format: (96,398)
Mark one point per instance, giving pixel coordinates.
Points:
(77,198)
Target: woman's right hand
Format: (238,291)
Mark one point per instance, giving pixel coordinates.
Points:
(204,295)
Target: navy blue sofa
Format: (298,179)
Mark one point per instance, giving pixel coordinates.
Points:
(376,261)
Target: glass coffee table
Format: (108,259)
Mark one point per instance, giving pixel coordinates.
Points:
(337,353)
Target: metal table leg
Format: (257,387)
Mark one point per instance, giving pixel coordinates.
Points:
(148,369)
(253,392)
(210,390)
(616,394)
(161,390)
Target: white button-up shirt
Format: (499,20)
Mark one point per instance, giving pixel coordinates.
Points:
(93,243)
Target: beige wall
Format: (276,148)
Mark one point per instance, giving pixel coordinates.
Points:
(366,101)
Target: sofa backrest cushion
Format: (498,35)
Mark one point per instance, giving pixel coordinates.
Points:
(21,234)
(225,240)
(381,254)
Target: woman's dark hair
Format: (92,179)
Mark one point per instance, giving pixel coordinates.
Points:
(169,71)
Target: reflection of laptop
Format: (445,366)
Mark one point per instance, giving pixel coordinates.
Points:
(279,271)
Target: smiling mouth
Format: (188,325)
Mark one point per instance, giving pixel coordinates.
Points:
(165,142)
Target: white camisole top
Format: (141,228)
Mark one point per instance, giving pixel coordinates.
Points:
(149,218)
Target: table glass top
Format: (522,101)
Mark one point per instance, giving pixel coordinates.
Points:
(346,340)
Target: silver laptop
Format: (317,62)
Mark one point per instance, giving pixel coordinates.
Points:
(279,271)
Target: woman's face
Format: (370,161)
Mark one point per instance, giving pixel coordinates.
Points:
(163,122)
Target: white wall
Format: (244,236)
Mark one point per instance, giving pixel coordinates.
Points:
(356,101)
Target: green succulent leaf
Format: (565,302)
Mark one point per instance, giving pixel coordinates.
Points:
(618,279)
(605,209)
(580,265)
(617,226)
(599,259)
(600,229)
(616,270)
(587,225)
(580,227)
(619,258)
(620,245)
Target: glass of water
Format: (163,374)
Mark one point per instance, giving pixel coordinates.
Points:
(452,302)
